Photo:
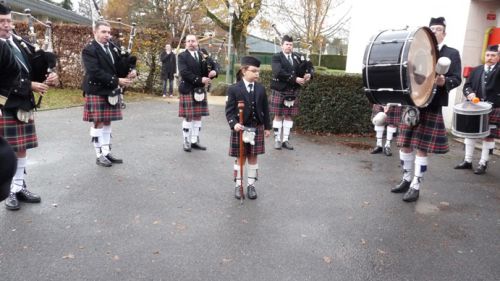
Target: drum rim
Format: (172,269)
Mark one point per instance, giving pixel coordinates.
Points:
(458,110)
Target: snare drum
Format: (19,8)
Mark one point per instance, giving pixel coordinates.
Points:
(399,67)
(471,120)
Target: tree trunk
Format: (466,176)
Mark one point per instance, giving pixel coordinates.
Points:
(151,75)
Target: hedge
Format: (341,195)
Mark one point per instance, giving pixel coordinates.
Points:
(331,103)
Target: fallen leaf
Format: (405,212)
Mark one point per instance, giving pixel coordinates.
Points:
(226,260)
(156,222)
(327,259)
(156,252)
(69,256)
(115,258)
(363,241)
(381,252)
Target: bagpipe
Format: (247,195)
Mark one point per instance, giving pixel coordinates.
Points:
(43,61)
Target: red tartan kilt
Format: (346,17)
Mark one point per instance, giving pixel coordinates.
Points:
(21,136)
(495,120)
(258,148)
(277,106)
(429,135)
(393,114)
(189,108)
(97,109)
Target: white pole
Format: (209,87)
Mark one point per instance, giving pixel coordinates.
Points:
(229,44)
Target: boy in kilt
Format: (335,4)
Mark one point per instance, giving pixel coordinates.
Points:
(196,73)
(285,87)
(256,115)
(17,123)
(429,135)
(102,87)
(391,122)
(484,83)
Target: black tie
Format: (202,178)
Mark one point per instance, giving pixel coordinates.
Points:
(108,52)
(290,59)
(488,70)
(196,57)
(19,56)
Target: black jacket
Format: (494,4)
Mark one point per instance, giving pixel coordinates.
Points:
(21,97)
(284,74)
(192,72)
(168,65)
(237,92)
(9,72)
(101,74)
(491,88)
(453,78)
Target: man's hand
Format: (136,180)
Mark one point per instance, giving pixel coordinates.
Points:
(206,80)
(52,79)
(132,74)
(212,74)
(124,82)
(300,81)
(267,133)
(471,96)
(440,80)
(40,88)
(307,77)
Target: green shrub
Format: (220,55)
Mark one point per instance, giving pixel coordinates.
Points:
(331,103)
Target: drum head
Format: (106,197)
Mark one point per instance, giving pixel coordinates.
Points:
(422,58)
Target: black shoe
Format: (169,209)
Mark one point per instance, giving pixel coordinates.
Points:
(11,203)
(113,159)
(464,165)
(196,145)
(287,145)
(27,196)
(237,193)
(103,161)
(251,193)
(187,145)
(411,195)
(401,187)
(376,149)
(387,151)
(481,169)
(277,145)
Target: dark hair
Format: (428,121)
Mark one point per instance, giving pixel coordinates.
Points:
(4,10)
(204,51)
(239,74)
(286,38)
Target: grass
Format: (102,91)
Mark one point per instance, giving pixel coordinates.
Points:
(62,98)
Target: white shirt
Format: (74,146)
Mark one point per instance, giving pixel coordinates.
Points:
(492,67)
(248,83)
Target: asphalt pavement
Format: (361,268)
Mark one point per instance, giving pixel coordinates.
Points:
(324,210)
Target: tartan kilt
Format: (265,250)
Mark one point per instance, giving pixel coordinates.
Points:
(495,120)
(189,108)
(258,148)
(393,114)
(277,106)
(428,135)
(21,136)
(97,109)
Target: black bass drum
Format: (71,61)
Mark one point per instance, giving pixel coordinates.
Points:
(399,67)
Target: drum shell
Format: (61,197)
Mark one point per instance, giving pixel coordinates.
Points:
(470,120)
(385,66)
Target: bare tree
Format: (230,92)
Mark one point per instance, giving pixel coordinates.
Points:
(311,20)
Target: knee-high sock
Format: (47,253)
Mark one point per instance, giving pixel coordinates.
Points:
(469,149)
(407,161)
(287,126)
(420,169)
(106,140)
(485,152)
(196,131)
(390,133)
(237,175)
(18,180)
(252,173)
(96,135)
(277,129)
(379,130)
(186,130)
